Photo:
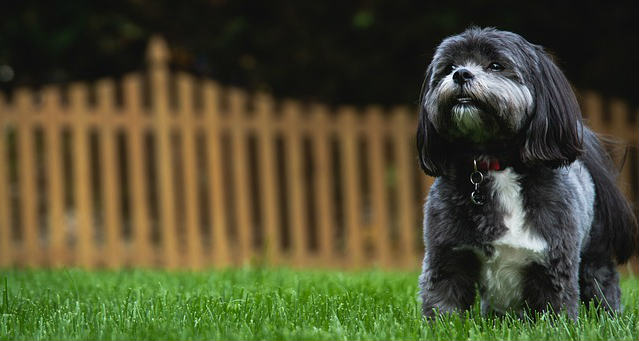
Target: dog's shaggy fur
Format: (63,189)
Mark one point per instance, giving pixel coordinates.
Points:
(549,226)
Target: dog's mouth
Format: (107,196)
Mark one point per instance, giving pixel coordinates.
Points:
(465,100)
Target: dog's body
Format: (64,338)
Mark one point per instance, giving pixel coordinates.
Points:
(548,226)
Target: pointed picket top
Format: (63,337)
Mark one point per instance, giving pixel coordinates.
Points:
(157,52)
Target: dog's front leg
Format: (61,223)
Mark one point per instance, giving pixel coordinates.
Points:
(448,280)
(553,285)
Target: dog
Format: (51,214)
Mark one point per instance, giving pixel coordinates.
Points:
(524,206)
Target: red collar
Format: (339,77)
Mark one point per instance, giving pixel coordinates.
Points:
(492,164)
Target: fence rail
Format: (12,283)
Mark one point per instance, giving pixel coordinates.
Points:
(161,169)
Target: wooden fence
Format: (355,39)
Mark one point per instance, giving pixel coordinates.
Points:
(163,170)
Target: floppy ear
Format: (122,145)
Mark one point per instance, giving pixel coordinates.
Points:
(555,133)
(430,145)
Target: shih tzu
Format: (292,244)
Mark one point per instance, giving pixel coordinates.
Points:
(524,206)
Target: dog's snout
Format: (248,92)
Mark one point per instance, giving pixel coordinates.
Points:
(462,76)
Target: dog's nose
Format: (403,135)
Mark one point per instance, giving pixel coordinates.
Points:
(462,76)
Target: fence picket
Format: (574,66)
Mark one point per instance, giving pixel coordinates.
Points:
(6,240)
(82,197)
(191,202)
(139,203)
(52,109)
(296,184)
(217,214)
(239,136)
(268,178)
(350,173)
(619,125)
(377,167)
(159,72)
(405,186)
(110,181)
(593,111)
(26,157)
(323,184)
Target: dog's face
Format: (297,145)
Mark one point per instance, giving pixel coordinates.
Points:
(488,87)
(479,87)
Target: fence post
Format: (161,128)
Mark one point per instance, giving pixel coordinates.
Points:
(52,110)
(239,136)
(217,214)
(405,186)
(110,180)
(323,185)
(377,167)
(296,183)
(593,111)
(26,177)
(6,241)
(191,202)
(81,172)
(158,57)
(619,125)
(136,157)
(350,176)
(268,178)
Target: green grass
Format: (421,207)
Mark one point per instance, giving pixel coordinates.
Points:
(263,303)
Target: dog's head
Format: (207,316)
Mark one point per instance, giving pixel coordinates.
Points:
(486,90)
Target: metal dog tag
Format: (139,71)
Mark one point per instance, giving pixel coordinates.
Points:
(477,198)
(476,178)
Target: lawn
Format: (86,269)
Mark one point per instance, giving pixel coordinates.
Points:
(263,304)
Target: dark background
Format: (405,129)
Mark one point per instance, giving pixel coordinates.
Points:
(356,52)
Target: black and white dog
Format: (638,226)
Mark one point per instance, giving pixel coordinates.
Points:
(524,206)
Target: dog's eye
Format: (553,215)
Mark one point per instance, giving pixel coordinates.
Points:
(449,68)
(495,67)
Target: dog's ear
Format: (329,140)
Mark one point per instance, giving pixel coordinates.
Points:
(430,145)
(554,136)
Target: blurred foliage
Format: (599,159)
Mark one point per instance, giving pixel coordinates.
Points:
(339,52)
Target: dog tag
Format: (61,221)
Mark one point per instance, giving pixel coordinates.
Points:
(477,198)
(476,178)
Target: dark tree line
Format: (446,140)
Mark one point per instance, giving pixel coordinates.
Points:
(340,52)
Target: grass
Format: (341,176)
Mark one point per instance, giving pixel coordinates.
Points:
(264,304)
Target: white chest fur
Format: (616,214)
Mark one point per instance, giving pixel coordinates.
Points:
(502,272)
